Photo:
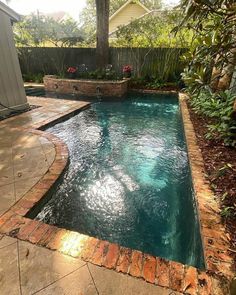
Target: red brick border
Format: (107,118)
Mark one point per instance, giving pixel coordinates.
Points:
(155,270)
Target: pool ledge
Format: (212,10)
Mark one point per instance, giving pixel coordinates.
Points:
(155,270)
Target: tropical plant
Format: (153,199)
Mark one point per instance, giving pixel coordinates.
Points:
(219,107)
(211,62)
(213,56)
(153,30)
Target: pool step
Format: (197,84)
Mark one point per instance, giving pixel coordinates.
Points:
(35,91)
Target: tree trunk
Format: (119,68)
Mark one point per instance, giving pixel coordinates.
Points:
(227,73)
(215,76)
(102,51)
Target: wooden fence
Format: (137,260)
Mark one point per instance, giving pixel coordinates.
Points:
(164,63)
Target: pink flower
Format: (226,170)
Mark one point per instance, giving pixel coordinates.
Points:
(127,69)
(72,70)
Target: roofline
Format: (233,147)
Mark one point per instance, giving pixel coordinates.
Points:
(125,4)
(10,12)
(141,16)
(125,25)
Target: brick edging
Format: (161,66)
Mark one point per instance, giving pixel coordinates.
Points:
(214,237)
(31,198)
(155,270)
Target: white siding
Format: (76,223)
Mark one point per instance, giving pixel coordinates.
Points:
(12,92)
(126,15)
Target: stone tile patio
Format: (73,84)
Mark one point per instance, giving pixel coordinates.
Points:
(25,268)
(29,269)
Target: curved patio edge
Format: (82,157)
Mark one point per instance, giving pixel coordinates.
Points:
(176,276)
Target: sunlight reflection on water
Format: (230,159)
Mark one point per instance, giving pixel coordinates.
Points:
(128,180)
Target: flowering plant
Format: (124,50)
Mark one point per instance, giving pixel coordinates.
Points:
(127,69)
(72,70)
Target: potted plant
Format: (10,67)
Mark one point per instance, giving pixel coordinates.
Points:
(127,71)
(71,72)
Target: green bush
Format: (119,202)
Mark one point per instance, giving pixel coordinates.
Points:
(102,75)
(151,83)
(106,74)
(36,78)
(219,107)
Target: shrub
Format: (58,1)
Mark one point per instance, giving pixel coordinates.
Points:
(219,107)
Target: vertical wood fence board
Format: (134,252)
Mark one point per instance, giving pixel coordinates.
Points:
(163,63)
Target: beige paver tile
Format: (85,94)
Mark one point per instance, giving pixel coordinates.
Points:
(11,136)
(48,146)
(7,197)
(40,116)
(61,108)
(41,267)
(5,155)
(24,154)
(6,241)
(6,174)
(9,272)
(26,141)
(19,121)
(43,140)
(30,158)
(49,151)
(77,283)
(50,155)
(22,187)
(109,282)
(6,140)
(33,168)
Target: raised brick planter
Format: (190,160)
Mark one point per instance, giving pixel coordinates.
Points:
(86,88)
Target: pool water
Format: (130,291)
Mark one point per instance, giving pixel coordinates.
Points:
(128,180)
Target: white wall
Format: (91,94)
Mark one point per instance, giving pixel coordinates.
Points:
(12,92)
(125,16)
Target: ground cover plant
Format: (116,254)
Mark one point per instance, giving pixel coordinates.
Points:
(82,72)
(211,62)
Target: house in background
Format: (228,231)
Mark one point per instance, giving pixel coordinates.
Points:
(128,12)
(12,93)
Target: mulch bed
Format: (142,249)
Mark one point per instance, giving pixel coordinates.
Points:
(223,182)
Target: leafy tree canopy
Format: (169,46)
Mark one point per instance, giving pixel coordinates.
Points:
(88,14)
(153,31)
(213,24)
(39,30)
(210,64)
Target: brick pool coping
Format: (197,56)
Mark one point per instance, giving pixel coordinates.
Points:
(155,270)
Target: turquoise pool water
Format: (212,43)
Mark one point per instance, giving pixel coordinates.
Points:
(128,180)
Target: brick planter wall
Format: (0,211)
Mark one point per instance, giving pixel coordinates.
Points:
(86,88)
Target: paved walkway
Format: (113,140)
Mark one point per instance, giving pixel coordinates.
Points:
(29,269)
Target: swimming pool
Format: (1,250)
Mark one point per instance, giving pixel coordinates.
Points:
(129,180)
